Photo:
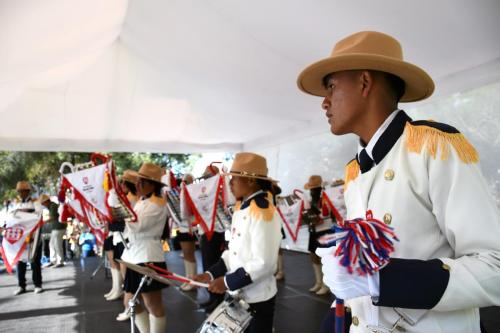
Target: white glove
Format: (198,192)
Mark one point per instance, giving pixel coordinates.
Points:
(343,284)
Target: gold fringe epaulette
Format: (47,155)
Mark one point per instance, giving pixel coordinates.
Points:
(434,140)
(264,214)
(158,201)
(351,172)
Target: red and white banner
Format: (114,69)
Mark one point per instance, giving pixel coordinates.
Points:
(91,186)
(18,226)
(203,198)
(291,216)
(333,200)
(88,216)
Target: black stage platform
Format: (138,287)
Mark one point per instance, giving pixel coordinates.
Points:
(72,302)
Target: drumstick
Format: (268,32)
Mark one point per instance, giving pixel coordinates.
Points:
(172,276)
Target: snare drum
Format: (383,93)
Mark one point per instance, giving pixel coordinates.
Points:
(231,316)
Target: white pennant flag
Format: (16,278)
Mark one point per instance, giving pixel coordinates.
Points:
(202,197)
(18,226)
(90,187)
(291,216)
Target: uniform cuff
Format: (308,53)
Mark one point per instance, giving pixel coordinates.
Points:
(412,284)
(218,269)
(238,279)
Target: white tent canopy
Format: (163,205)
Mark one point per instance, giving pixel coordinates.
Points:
(213,75)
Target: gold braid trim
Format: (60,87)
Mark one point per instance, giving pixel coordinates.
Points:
(264,214)
(351,172)
(157,200)
(434,140)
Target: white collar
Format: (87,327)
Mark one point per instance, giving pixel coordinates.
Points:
(378,133)
(253,195)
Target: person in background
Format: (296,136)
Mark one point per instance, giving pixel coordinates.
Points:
(187,240)
(27,204)
(128,183)
(145,246)
(58,230)
(211,250)
(87,243)
(318,227)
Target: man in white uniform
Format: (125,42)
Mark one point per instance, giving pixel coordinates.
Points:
(420,177)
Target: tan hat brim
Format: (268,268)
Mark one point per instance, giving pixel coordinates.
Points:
(308,187)
(419,84)
(143,176)
(249,176)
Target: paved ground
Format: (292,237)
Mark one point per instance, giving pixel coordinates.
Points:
(72,302)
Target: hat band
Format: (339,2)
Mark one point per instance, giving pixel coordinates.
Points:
(244,173)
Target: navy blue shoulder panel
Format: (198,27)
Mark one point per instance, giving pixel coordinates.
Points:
(439,126)
(260,200)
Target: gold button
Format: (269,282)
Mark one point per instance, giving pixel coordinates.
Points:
(389,174)
(387,218)
(400,328)
(347,309)
(446,267)
(244,217)
(355,321)
(234,253)
(239,234)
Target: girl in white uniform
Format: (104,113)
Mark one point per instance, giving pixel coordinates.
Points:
(145,247)
(249,264)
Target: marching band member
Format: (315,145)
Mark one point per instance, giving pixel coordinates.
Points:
(317,228)
(28,205)
(127,185)
(145,247)
(211,250)
(249,264)
(420,177)
(187,240)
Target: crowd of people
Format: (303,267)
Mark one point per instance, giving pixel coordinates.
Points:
(419,177)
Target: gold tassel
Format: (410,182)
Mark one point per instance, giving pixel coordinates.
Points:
(265,214)
(434,140)
(157,200)
(351,172)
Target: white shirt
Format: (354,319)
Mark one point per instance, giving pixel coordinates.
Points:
(144,235)
(376,136)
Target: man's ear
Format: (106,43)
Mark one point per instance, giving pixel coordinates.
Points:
(366,83)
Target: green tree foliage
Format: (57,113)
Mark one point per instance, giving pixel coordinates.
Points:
(41,169)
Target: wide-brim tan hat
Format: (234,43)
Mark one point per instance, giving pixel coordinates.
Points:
(23,185)
(150,171)
(130,176)
(43,198)
(372,51)
(314,182)
(249,165)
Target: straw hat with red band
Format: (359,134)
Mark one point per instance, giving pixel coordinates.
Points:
(250,165)
(368,50)
(150,171)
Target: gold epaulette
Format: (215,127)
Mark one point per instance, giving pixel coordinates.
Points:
(351,172)
(158,201)
(237,206)
(435,136)
(264,214)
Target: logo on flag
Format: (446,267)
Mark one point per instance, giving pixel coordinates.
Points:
(85,180)
(14,234)
(203,199)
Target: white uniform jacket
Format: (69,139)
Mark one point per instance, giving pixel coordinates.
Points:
(250,261)
(144,235)
(426,183)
